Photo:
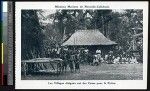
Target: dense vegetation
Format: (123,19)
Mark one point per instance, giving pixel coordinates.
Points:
(38,38)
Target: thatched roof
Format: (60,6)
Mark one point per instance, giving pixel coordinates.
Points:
(88,37)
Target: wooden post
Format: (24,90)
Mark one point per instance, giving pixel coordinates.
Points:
(57,69)
(24,66)
(133,43)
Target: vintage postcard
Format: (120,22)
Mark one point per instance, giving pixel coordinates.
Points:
(81,45)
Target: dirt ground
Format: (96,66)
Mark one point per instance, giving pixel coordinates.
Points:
(101,72)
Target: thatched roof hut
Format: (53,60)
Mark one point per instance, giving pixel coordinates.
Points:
(88,38)
(91,39)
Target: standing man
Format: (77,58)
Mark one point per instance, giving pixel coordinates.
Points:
(86,56)
(71,61)
(90,58)
(110,57)
(64,55)
(77,61)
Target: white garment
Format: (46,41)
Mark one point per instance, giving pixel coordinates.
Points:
(133,60)
(58,51)
(99,56)
(106,57)
(116,60)
(95,60)
(98,51)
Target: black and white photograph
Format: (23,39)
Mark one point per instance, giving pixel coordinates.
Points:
(81,45)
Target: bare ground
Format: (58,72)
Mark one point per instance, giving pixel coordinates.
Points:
(101,72)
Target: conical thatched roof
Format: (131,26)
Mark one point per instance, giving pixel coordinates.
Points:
(88,37)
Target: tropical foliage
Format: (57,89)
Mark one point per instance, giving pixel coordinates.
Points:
(38,37)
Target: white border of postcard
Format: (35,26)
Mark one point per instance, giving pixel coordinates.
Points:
(43,84)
